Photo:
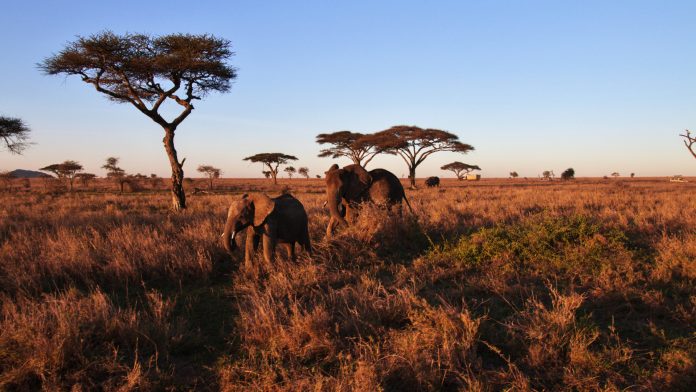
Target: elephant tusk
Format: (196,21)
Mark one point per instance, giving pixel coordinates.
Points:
(234,233)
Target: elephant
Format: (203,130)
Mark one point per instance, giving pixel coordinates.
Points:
(281,220)
(353,184)
(432,182)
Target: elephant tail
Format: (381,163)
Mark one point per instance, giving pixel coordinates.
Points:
(409,205)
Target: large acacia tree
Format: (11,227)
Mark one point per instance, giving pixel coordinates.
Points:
(414,144)
(14,134)
(349,145)
(271,160)
(148,72)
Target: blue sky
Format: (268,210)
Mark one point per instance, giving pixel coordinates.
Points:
(599,86)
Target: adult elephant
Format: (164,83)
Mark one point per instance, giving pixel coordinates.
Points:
(353,184)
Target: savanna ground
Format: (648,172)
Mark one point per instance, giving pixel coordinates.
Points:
(501,284)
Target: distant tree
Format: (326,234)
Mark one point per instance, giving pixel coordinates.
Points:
(14,134)
(548,175)
(460,169)
(318,176)
(148,71)
(115,173)
(271,160)
(347,144)
(266,173)
(304,172)
(513,174)
(615,174)
(633,175)
(211,172)
(689,142)
(290,170)
(85,178)
(568,174)
(65,171)
(414,144)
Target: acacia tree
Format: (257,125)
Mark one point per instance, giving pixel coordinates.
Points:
(290,170)
(266,173)
(513,174)
(65,171)
(414,144)
(115,173)
(271,160)
(304,172)
(347,144)
(211,172)
(548,175)
(14,134)
(85,178)
(460,169)
(147,71)
(689,142)
(615,174)
(568,174)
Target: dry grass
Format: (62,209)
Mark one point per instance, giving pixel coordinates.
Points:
(494,285)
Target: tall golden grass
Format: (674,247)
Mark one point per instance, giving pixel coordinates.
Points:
(584,285)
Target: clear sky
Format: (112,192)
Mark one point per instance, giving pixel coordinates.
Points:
(599,86)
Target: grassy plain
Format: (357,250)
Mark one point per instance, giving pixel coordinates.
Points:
(497,284)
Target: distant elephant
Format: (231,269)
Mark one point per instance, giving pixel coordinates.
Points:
(353,184)
(279,220)
(431,182)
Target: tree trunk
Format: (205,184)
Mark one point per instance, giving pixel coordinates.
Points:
(211,184)
(274,175)
(120,184)
(178,195)
(412,175)
(71,184)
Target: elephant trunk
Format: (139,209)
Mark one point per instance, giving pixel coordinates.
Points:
(228,236)
(334,201)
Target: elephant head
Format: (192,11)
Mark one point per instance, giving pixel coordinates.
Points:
(250,210)
(349,183)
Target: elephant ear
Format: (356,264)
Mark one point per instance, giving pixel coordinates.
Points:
(263,207)
(355,180)
(332,168)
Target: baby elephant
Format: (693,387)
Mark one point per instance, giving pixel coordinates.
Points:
(279,220)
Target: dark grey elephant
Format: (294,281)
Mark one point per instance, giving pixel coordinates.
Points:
(279,220)
(353,184)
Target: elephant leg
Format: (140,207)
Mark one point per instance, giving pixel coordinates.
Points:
(349,213)
(306,243)
(269,245)
(330,228)
(290,250)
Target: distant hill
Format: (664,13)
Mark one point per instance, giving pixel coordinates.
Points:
(21,173)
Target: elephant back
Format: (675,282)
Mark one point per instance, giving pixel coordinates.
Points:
(386,187)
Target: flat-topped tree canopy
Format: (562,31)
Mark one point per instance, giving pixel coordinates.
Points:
(66,170)
(345,144)
(147,71)
(271,160)
(460,169)
(141,69)
(414,144)
(14,134)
